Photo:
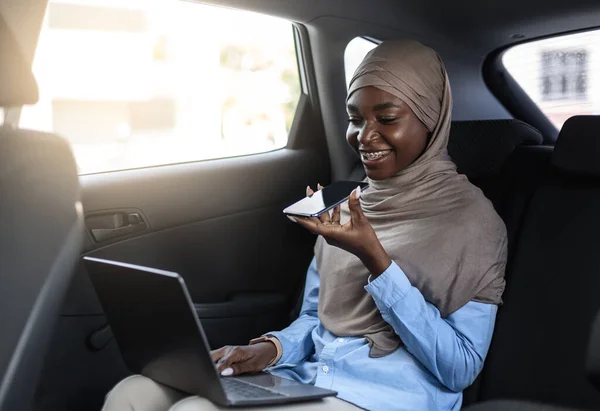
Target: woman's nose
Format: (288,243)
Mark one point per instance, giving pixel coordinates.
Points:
(367,134)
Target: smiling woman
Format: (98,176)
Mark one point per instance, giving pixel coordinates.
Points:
(411,270)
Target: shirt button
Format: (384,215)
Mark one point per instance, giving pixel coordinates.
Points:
(325,369)
(341,340)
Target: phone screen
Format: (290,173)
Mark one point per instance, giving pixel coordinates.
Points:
(324,199)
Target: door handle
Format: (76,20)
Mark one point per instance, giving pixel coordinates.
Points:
(116,224)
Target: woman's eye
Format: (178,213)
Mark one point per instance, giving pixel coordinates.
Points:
(387,120)
(355,121)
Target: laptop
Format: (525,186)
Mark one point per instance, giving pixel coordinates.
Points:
(156,328)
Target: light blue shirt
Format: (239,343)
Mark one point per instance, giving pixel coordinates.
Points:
(439,359)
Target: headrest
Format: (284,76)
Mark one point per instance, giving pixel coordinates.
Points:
(480,148)
(17,84)
(577,148)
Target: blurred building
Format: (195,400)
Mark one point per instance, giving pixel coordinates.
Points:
(560,74)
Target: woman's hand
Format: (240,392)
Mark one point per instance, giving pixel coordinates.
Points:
(356,236)
(235,360)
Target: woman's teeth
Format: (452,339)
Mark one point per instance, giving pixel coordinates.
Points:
(374,155)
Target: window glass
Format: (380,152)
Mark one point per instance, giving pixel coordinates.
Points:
(560,74)
(355,52)
(136,83)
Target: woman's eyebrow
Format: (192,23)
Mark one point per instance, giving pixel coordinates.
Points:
(379,107)
(384,106)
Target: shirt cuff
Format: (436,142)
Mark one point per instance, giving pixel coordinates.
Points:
(391,286)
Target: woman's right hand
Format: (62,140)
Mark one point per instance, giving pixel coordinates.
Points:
(242,359)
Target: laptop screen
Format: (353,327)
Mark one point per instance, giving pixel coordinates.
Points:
(154,323)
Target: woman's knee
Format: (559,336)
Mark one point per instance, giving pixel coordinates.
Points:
(139,393)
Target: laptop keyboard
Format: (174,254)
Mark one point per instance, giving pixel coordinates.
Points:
(239,389)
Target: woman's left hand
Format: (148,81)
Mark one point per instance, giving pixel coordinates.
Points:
(356,236)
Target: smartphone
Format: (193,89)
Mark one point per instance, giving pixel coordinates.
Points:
(324,199)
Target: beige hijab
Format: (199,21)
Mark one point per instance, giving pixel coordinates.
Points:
(439,228)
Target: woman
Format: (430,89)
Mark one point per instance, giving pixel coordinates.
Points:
(401,297)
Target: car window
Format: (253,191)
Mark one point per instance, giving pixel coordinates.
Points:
(355,51)
(560,74)
(136,83)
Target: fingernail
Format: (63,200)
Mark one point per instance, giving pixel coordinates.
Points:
(292,219)
(307,189)
(227,372)
(357,192)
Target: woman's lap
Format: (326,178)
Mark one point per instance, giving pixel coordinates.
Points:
(139,393)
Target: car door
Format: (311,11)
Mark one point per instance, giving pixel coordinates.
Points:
(190,141)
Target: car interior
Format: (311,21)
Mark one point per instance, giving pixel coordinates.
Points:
(137,171)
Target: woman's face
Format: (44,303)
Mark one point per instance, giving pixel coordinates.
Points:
(384,131)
